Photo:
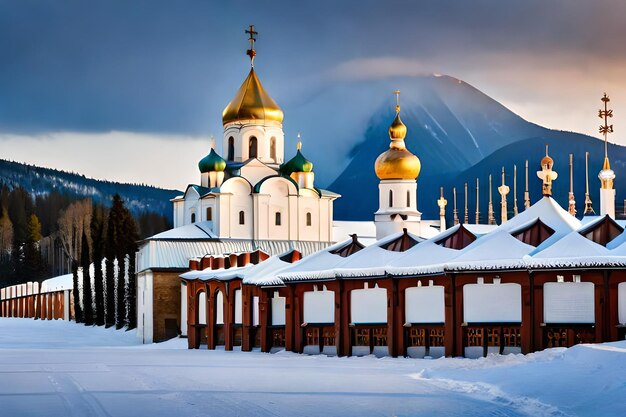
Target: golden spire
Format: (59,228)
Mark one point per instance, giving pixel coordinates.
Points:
(299,145)
(571,208)
(515,190)
(477,197)
(606,175)
(547,175)
(442,202)
(490,218)
(526,193)
(251,52)
(466,214)
(588,204)
(397,162)
(503,190)
(455,212)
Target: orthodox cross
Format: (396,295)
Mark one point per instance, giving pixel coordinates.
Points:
(605,129)
(251,52)
(397,93)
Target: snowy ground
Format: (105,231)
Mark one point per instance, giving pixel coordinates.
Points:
(63,369)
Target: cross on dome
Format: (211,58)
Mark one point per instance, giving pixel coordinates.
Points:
(251,52)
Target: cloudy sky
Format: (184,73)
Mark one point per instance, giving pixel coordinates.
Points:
(132,91)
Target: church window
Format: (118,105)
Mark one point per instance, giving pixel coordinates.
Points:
(209,213)
(242,217)
(390,198)
(193,217)
(278,218)
(231,149)
(308,219)
(273,149)
(252,147)
(408,199)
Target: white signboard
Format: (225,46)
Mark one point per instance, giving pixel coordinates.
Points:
(492,303)
(278,311)
(202,308)
(621,302)
(368,305)
(568,302)
(424,304)
(219,308)
(319,307)
(238,307)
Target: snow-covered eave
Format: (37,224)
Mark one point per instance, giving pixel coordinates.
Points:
(486,265)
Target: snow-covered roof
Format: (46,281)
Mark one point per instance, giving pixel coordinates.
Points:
(200,230)
(424,258)
(571,251)
(316,266)
(365,230)
(497,250)
(60,283)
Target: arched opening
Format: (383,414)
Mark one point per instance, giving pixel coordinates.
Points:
(231,149)
(408,199)
(242,217)
(193,217)
(252,147)
(209,214)
(273,149)
(390,198)
(201,319)
(219,318)
(278,218)
(309,219)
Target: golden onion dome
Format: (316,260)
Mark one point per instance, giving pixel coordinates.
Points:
(252,102)
(397,163)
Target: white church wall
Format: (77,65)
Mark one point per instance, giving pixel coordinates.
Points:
(492,303)
(368,305)
(621,302)
(202,308)
(308,205)
(238,307)
(319,306)
(278,311)
(145,296)
(276,192)
(239,200)
(183,308)
(568,302)
(425,304)
(219,307)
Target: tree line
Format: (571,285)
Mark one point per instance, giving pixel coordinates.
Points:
(96,239)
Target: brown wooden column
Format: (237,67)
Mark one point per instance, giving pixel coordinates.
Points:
(346,348)
(451,323)
(50,311)
(389,285)
(192,336)
(458,316)
(293,339)
(615,277)
(526,329)
(264,318)
(246,317)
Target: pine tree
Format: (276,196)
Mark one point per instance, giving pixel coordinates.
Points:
(98,243)
(131,237)
(78,312)
(112,251)
(87,294)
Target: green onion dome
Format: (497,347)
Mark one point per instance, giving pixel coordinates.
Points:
(296,164)
(212,162)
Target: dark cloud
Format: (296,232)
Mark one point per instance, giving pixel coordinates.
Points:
(157,66)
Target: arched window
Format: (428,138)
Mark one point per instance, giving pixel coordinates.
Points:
(193,217)
(278,218)
(242,217)
(273,149)
(252,147)
(408,199)
(231,149)
(390,198)
(201,319)
(209,214)
(308,219)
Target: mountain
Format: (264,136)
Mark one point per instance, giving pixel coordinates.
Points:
(39,181)
(459,133)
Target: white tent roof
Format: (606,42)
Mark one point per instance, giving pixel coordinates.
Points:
(573,250)
(316,266)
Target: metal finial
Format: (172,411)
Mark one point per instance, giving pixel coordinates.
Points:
(251,52)
(588,204)
(397,93)
(299,145)
(605,129)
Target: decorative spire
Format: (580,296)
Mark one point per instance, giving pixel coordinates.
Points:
(526,193)
(397,93)
(251,52)
(606,175)
(299,144)
(588,205)
(442,202)
(515,190)
(503,190)
(571,208)
(477,205)
(490,217)
(212,140)
(455,212)
(466,214)
(547,175)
